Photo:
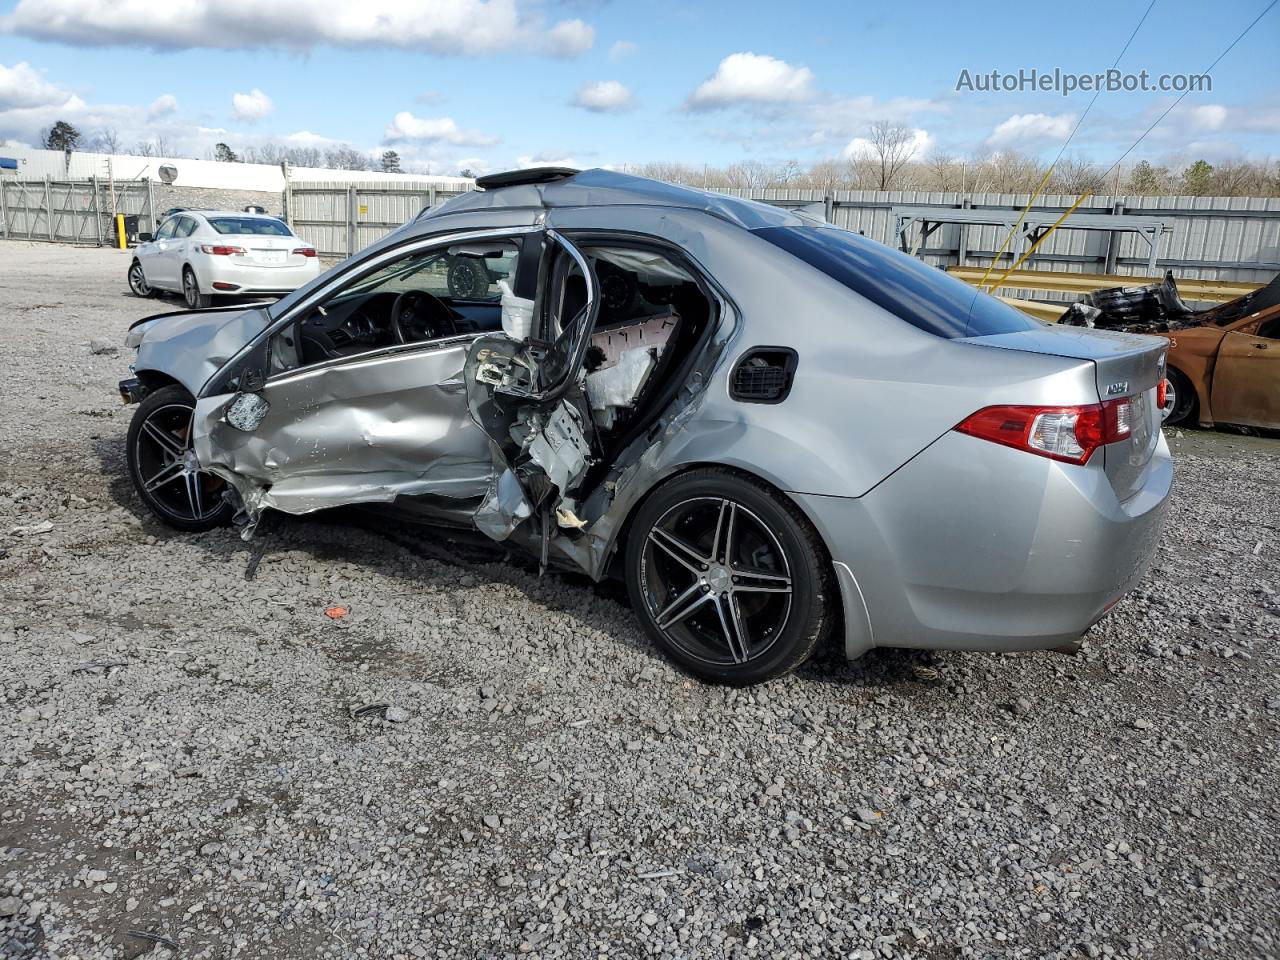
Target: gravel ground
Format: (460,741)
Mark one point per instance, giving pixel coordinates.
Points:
(177,756)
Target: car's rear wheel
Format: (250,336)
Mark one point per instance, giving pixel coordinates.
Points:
(1179,398)
(163,467)
(138,281)
(729,578)
(191,291)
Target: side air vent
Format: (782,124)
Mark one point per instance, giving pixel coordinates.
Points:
(763,375)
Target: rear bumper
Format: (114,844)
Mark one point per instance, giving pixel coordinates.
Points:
(225,276)
(974,546)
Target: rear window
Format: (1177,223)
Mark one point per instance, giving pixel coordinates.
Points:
(910,289)
(250,225)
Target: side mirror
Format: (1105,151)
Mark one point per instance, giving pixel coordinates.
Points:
(145,238)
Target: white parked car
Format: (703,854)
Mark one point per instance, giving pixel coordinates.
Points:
(206,253)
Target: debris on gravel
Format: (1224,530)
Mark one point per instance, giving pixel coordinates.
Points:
(183,771)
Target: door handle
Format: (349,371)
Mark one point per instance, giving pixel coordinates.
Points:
(1260,346)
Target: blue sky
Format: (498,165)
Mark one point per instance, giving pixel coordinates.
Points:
(492,84)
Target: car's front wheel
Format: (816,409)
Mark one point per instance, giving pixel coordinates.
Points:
(191,291)
(163,466)
(729,578)
(138,281)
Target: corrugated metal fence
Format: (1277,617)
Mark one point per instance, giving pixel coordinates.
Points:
(71,211)
(340,218)
(1220,238)
(1217,238)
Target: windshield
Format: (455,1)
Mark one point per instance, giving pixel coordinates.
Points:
(910,289)
(241,226)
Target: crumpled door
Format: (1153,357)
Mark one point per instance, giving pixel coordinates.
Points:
(527,397)
(368,429)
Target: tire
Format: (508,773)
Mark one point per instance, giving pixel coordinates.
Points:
(138,281)
(158,447)
(468,278)
(753,618)
(1181,401)
(191,291)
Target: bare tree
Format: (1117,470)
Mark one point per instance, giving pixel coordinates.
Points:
(106,140)
(346,157)
(751,175)
(890,147)
(943,171)
(827,176)
(1075,175)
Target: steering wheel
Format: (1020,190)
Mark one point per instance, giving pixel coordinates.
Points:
(417,315)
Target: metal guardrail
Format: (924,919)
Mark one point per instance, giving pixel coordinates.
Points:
(1216,291)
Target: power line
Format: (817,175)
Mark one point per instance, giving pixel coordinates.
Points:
(1183,96)
(1097,93)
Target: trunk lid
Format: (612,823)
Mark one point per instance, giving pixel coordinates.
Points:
(268,251)
(1126,365)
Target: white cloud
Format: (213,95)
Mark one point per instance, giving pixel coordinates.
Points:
(22,86)
(1028,129)
(607,96)
(568,38)
(621,50)
(548,158)
(251,106)
(442,27)
(750,78)
(919,145)
(836,119)
(1211,116)
(406,127)
(162,106)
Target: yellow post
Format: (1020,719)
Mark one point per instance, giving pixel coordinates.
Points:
(121,240)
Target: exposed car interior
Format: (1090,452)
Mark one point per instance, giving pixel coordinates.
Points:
(652,313)
(424,297)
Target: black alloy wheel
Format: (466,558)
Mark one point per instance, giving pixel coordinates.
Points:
(729,578)
(163,466)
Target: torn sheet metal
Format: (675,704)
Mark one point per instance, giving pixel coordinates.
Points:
(504,508)
(557,443)
(359,432)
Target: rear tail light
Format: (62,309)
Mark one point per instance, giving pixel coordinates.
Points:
(1070,434)
(305,251)
(219,250)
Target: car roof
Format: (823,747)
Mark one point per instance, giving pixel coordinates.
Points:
(547,188)
(233,213)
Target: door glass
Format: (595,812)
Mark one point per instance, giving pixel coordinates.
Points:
(186,227)
(166,229)
(421,297)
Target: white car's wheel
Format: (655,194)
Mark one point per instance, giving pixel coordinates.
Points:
(191,291)
(138,281)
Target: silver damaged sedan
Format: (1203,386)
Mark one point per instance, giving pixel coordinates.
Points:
(773,430)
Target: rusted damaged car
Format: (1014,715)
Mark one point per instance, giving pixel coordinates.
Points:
(766,426)
(1224,363)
